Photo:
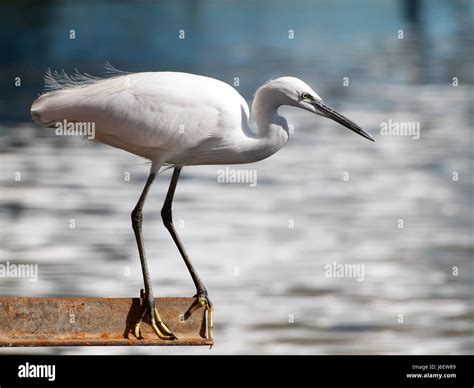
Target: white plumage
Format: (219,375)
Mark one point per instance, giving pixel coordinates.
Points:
(177,119)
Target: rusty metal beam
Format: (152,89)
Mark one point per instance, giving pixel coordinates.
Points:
(95,322)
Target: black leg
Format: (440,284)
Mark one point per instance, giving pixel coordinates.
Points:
(160,329)
(137,220)
(202,297)
(166,214)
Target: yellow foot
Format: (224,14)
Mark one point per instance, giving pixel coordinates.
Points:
(203,301)
(159,327)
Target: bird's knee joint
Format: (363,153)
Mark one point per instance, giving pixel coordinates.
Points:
(167,216)
(137,216)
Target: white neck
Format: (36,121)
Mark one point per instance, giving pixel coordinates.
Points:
(272,129)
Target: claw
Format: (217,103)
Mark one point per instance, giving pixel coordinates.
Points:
(162,326)
(136,330)
(202,301)
(210,323)
(161,330)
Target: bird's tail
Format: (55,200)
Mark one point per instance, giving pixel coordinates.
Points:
(63,94)
(45,110)
(39,111)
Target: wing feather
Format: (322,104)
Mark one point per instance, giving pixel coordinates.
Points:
(163,110)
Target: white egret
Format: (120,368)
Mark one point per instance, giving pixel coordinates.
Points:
(178,119)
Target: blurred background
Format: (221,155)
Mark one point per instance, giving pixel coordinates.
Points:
(328,196)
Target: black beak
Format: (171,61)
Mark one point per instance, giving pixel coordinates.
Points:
(329,112)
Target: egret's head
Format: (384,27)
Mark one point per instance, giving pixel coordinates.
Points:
(294,92)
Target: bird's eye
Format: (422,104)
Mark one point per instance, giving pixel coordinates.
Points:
(305,96)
